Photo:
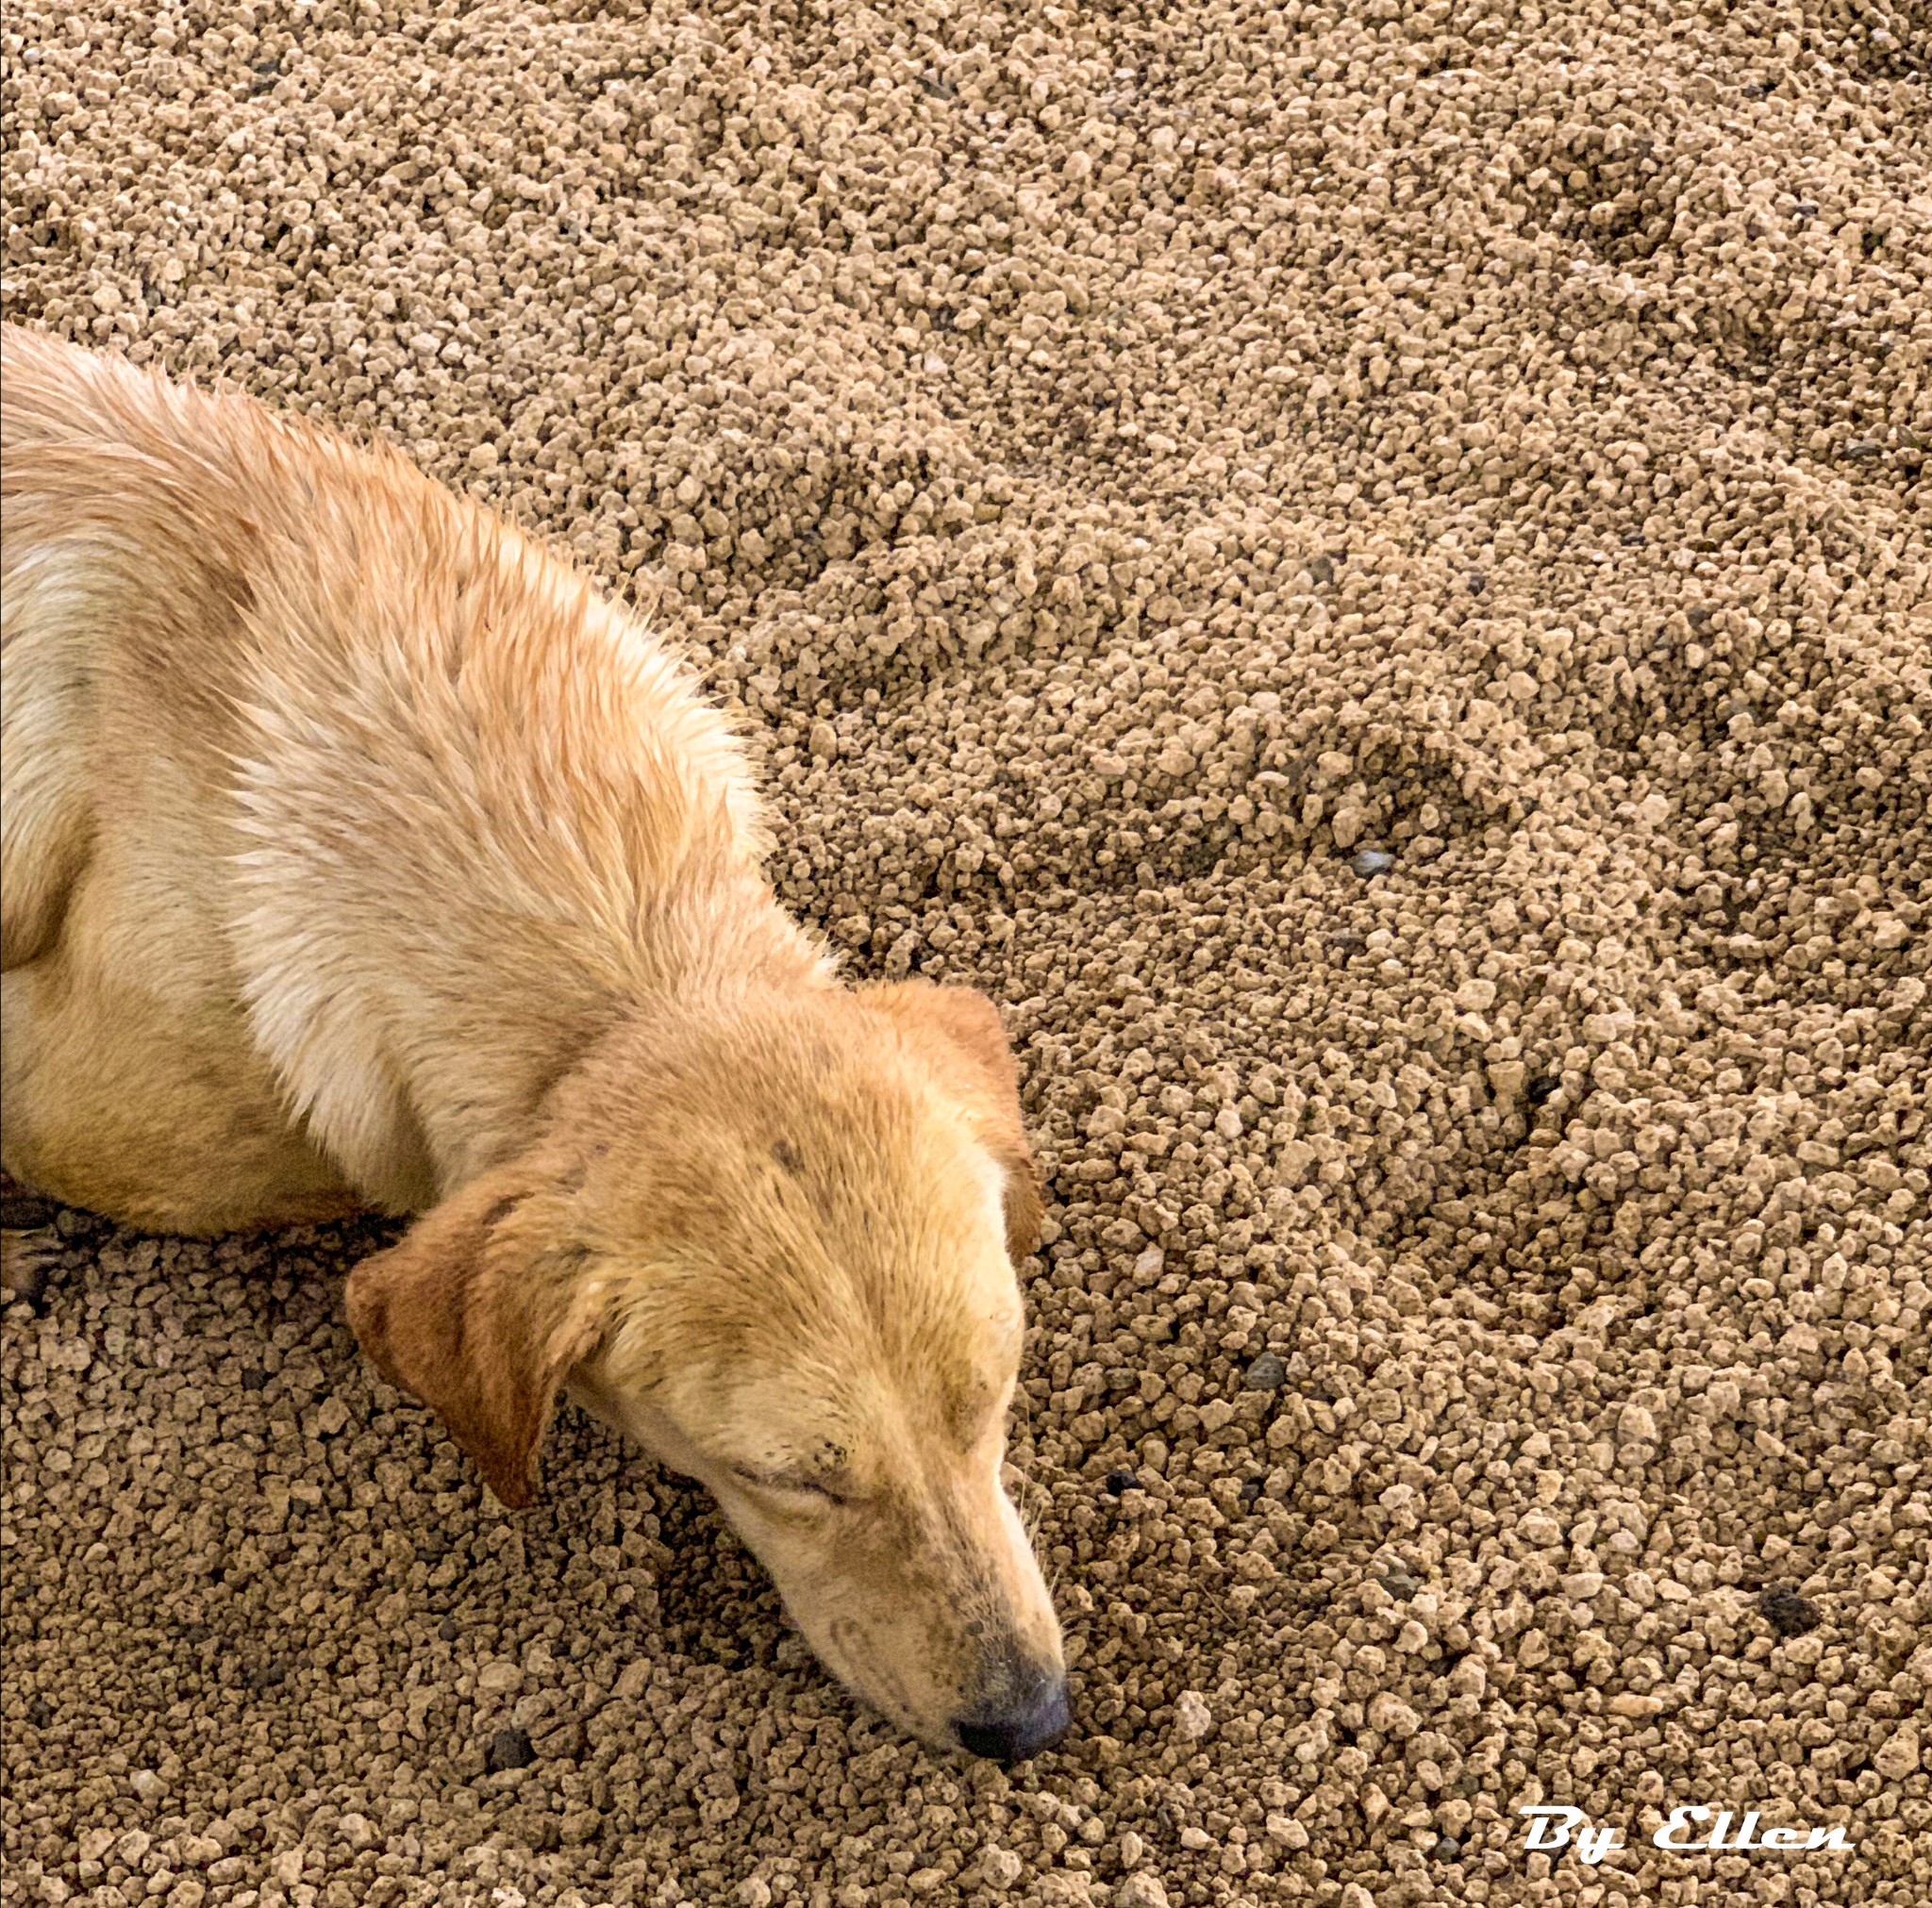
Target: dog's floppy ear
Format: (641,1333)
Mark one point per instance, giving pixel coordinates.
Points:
(959,1031)
(481,1317)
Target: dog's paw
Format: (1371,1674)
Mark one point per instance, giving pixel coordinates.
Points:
(27,1259)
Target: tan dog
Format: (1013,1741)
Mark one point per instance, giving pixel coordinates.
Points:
(359,854)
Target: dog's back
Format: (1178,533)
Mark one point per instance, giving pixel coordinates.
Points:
(65,575)
(136,522)
(352,777)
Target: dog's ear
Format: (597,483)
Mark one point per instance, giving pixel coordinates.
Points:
(480,1314)
(960,1032)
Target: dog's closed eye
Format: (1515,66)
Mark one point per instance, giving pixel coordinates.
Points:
(786,1484)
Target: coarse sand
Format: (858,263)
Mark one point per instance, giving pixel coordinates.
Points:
(1367,571)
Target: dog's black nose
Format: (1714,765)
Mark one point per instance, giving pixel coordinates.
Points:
(1014,1731)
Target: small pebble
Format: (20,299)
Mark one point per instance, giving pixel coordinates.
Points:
(1000,1869)
(1266,1373)
(1371,861)
(1192,1716)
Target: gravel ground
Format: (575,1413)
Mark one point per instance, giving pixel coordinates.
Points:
(1366,569)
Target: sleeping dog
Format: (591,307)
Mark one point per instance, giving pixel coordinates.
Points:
(360,856)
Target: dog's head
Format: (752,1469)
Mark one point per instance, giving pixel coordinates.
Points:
(776,1243)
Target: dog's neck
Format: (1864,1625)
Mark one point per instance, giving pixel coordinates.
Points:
(699,949)
(453,1072)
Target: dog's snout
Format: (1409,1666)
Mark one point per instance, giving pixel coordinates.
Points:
(1020,1727)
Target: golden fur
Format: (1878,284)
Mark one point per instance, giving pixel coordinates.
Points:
(358,853)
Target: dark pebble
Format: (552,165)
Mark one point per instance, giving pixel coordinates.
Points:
(1267,1373)
(25,1211)
(508,1748)
(1251,1489)
(252,1378)
(447,1630)
(39,1712)
(1788,1613)
(1477,581)
(1448,1849)
(28,1271)
(1369,862)
(1399,1585)
(1545,1087)
(1122,1481)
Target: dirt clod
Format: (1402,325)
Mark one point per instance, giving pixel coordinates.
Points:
(508,1748)
(1788,1613)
